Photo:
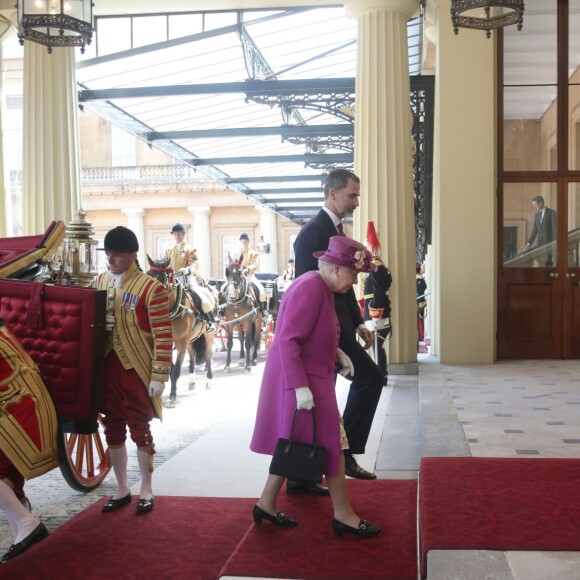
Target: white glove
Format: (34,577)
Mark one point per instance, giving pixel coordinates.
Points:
(156,388)
(183,271)
(246,270)
(343,359)
(109,322)
(304,398)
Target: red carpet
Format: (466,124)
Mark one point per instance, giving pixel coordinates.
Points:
(183,538)
(475,503)
(312,551)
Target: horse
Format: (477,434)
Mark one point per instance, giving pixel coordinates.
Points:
(190,331)
(240,309)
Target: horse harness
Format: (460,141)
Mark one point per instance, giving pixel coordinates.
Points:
(180,300)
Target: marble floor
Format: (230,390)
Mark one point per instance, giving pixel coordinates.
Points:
(508,409)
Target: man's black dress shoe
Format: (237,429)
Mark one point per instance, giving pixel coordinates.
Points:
(279,519)
(145,505)
(115,504)
(364,530)
(296,487)
(39,533)
(353,469)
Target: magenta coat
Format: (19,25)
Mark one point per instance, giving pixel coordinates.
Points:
(303,353)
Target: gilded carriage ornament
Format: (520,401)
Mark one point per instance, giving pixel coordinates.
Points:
(79,258)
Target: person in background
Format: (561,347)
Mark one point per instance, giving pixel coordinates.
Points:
(545,227)
(300,374)
(137,363)
(421,303)
(248,259)
(377,305)
(341,198)
(28,439)
(545,224)
(289,273)
(184,261)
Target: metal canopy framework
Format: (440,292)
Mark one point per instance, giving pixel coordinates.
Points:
(260,101)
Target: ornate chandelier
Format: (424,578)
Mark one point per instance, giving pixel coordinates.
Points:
(56,22)
(486,15)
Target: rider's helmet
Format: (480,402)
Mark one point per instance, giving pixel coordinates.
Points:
(121,239)
(244,236)
(178,228)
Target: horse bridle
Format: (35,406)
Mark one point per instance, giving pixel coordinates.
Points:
(241,290)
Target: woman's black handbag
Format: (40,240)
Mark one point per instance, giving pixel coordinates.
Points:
(299,461)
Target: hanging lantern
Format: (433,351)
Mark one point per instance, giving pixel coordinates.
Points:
(79,256)
(57,23)
(486,15)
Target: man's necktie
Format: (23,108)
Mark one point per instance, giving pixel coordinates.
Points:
(340,229)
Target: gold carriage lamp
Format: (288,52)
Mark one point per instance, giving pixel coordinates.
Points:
(486,15)
(79,255)
(60,23)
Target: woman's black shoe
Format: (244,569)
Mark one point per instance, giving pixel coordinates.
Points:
(145,505)
(39,533)
(279,519)
(115,504)
(364,530)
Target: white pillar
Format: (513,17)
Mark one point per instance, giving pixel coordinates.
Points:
(201,238)
(135,223)
(383,155)
(7,211)
(463,265)
(268,262)
(51,165)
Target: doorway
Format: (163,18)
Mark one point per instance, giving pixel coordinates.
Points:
(539,286)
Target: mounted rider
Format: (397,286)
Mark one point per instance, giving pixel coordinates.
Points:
(248,260)
(183,259)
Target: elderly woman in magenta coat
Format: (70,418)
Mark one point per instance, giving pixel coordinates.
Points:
(300,374)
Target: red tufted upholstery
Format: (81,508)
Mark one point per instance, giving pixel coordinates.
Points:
(68,347)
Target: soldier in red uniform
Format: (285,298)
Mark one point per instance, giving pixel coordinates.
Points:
(28,439)
(137,364)
(377,305)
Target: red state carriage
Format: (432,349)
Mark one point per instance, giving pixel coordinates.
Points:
(62,328)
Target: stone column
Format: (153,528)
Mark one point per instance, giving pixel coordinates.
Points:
(201,239)
(6,209)
(461,269)
(136,224)
(383,155)
(51,166)
(268,262)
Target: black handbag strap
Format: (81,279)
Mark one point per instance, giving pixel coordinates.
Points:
(313,429)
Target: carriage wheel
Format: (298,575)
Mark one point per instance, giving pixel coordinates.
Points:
(220,338)
(83,463)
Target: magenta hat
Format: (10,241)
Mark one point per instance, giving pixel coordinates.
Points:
(348,253)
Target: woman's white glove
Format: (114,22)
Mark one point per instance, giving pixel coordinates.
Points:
(304,398)
(109,322)
(183,271)
(156,388)
(343,359)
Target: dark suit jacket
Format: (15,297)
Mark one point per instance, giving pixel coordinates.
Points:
(544,230)
(314,237)
(375,290)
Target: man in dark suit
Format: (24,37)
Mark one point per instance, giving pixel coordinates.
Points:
(545,226)
(545,223)
(341,198)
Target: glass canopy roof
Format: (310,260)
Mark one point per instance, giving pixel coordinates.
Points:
(261,101)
